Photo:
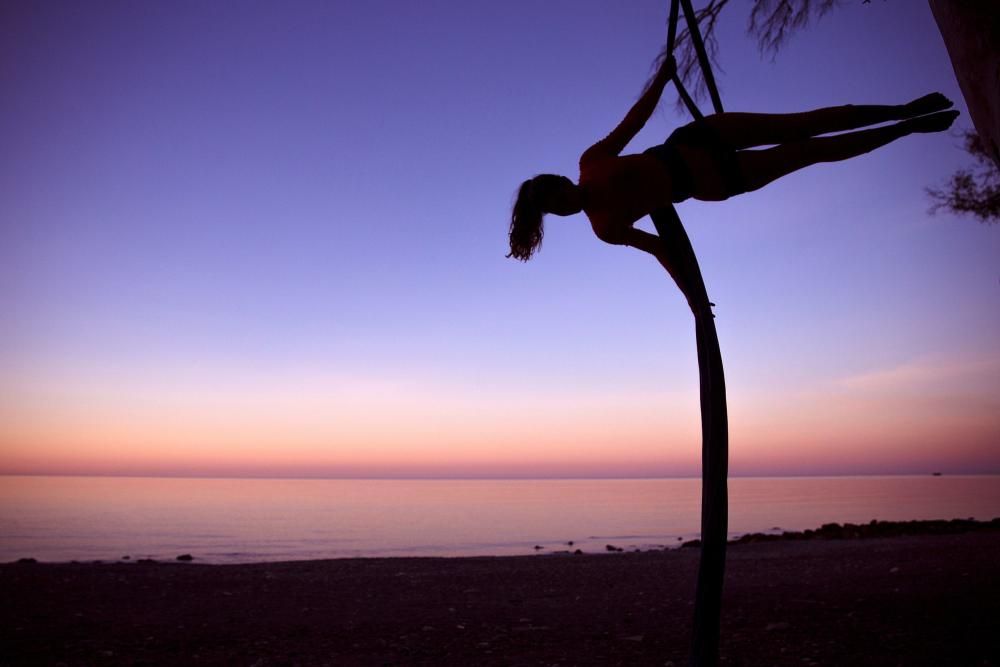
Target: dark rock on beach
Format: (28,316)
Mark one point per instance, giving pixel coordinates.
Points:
(874,528)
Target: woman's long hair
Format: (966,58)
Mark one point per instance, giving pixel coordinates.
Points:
(526,229)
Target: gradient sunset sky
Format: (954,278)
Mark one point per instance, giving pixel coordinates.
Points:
(268,239)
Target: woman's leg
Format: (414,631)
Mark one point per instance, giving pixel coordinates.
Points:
(760,167)
(745,130)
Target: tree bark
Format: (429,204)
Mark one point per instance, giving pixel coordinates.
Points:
(683,266)
(971,32)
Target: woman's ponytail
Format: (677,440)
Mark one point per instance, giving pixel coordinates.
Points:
(526,222)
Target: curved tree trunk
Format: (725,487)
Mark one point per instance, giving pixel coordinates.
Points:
(683,266)
(971,32)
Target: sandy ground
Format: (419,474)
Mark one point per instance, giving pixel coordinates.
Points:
(910,600)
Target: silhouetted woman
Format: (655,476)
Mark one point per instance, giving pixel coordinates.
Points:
(706,159)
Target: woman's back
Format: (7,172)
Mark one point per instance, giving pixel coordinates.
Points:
(619,190)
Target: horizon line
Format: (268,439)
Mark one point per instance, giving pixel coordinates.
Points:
(501,478)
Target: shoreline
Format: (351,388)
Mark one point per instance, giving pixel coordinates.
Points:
(828,531)
(927,599)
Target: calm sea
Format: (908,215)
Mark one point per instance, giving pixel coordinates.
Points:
(248,520)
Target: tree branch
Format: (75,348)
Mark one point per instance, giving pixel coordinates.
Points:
(974,191)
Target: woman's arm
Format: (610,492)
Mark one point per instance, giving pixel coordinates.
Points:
(644,241)
(637,116)
(652,244)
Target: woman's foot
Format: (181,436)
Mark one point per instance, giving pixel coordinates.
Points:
(935,122)
(925,105)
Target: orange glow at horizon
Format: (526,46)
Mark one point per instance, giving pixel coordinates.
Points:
(337,426)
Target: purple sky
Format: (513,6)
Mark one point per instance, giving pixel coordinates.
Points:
(199,199)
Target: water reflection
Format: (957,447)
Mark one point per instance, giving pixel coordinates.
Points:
(242,520)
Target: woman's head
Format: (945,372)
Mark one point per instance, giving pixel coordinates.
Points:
(545,193)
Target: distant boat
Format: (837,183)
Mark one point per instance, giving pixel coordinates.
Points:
(936,474)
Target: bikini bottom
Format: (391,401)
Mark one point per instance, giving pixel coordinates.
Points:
(700,136)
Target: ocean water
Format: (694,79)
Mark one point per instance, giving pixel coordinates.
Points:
(253,520)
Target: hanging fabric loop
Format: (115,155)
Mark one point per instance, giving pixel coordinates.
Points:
(694,34)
